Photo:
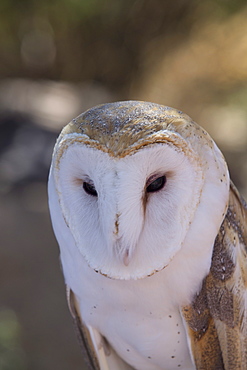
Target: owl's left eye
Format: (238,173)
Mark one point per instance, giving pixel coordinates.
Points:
(90,189)
(156,185)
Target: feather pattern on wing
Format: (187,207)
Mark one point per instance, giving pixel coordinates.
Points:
(217,318)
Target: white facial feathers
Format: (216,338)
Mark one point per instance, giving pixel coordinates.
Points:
(124,231)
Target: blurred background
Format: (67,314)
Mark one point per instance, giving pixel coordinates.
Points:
(60,57)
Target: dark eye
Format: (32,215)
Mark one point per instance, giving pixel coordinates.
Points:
(90,189)
(157,184)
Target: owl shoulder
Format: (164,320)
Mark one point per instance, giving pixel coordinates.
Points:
(216,320)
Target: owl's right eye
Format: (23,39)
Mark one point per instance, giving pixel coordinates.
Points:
(90,189)
(156,185)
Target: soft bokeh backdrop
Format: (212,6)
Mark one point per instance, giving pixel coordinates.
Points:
(58,58)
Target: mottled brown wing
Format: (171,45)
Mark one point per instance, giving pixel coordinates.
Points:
(217,318)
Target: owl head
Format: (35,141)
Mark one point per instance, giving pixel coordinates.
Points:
(133,185)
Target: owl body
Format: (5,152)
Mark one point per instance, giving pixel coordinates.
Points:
(142,325)
(142,322)
(138,194)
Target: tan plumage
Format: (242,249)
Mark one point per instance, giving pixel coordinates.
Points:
(119,129)
(217,318)
(215,315)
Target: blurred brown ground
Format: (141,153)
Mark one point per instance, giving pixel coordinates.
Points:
(56,60)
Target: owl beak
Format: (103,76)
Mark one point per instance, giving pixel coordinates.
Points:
(123,252)
(126,252)
(126,258)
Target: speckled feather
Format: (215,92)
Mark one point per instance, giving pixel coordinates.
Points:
(217,317)
(83,334)
(123,127)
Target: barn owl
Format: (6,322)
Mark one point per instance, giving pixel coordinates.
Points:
(152,237)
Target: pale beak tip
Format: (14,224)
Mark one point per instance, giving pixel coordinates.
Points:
(126,259)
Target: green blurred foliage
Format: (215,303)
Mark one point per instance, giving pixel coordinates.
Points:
(11,355)
(100,40)
(227,7)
